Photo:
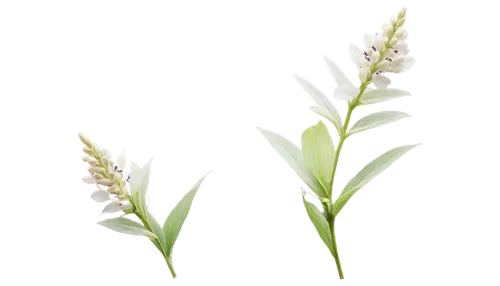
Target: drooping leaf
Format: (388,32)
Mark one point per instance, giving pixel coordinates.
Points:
(329,110)
(368,173)
(320,222)
(157,229)
(375,120)
(127,226)
(319,153)
(177,216)
(380,95)
(293,156)
(340,78)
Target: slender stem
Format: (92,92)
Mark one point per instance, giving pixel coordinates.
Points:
(170,265)
(335,252)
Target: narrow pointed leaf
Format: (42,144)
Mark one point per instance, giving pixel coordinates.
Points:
(381,95)
(318,109)
(340,78)
(319,153)
(177,216)
(321,100)
(157,230)
(139,180)
(376,119)
(127,226)
(368,173)
(320,222)
(293,156)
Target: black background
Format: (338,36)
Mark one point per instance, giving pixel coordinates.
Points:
(187,88)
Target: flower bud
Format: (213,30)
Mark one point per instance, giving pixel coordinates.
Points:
(402,13)
(383,65)
(363,74)
(115,190)
(393,41)
(87,151)
(378,43)
(121,161)
(85,140)
(128,208)
(394,20)
(89,180)
(117,176)
(97,170)
(401,21)
(399,32)
(106,182)
(92,161)
(375,56)
(404,36)
(387,30)
(100,196)
(112,207)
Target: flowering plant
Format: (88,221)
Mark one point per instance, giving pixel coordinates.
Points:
(127,193)
(316,163)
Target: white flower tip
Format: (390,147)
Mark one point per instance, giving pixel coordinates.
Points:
(402,13)
(381,81)
(100,196)
(121,161)
(112,207)
(85,140)
(89,180)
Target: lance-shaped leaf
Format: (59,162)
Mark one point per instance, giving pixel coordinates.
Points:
(368,173)
(293,156)
(380,95)
(177,216)
(127,226)
(139,181)
(157,230)
(328,111)
(319,153)
(376,119)
(345,89)
(319,221)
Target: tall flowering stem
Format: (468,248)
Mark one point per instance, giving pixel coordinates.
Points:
(376,62)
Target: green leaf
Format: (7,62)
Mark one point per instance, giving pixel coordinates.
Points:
(380,95)
(127,226)
(319,153)
(320,222)
(340,78)
(157,230)
(176,218)
(328,110)
(375,120)
(293,156)
(368,173)
(139,181)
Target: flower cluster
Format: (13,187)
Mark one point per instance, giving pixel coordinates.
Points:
(107,176)
(385,52)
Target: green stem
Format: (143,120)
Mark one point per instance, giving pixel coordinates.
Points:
(335,252)
(157,243)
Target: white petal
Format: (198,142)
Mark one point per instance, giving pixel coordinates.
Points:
(368,39)
(356,55)
(408,64)
(381,81)
(121,161)
(402,48)
(100,196)
(402,64)
(112,207)
(378,43)
(89,180)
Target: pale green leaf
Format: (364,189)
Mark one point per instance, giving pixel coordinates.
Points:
(127,226)
(157,229)
(139,181)
(328,108)
(319,153)
(376,119)
(340,78)
(293,156)
(177,216)
(320,222)
(322,111)
(368,173)
(380,95)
